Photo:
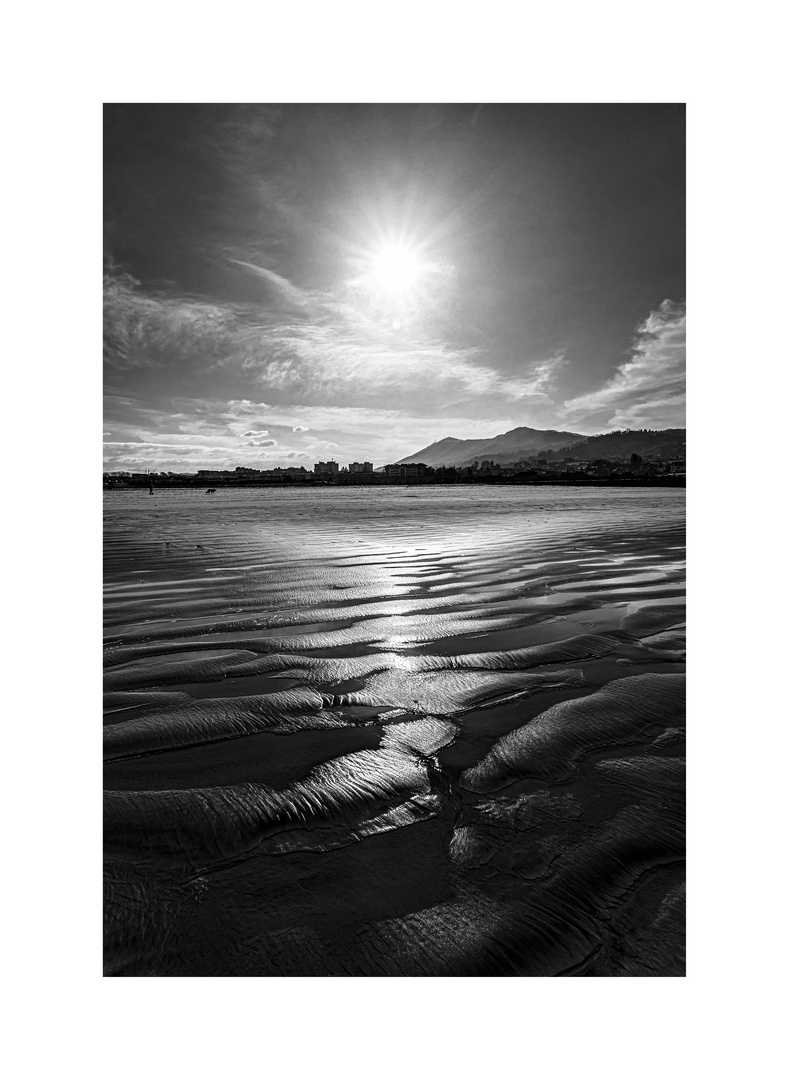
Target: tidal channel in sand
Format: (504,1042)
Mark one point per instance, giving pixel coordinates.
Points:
(432,731)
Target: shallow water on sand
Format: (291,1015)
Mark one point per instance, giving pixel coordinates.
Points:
(430,731)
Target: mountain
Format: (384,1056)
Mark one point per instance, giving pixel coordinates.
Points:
(621,444)
(446,451)
(513,445)
(523,442)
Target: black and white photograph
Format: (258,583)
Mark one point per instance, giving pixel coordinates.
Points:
(410,319)
(394,540)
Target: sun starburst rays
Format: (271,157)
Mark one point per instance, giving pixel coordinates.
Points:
(395,268)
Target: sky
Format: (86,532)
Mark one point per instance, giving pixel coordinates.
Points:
(285,284)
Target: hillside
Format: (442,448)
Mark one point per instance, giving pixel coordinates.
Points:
(621,444)
(446,451)
(513,445)
(522,442)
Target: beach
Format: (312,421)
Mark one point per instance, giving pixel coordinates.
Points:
(404,731)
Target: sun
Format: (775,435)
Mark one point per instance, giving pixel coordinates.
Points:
(395,268)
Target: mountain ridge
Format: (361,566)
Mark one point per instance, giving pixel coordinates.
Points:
(521,443)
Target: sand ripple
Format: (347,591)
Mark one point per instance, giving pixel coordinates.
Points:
(373,734)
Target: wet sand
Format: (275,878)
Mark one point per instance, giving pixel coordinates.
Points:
(395,732)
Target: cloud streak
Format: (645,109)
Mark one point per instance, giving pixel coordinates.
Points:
(339,353)
(648,390)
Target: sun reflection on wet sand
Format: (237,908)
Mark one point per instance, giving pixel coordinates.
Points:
(456,713)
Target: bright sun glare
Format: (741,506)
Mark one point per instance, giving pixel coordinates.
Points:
(395,268)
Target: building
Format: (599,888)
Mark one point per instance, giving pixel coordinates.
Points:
(412,470)
(326,468)
(291,472)
(358,472)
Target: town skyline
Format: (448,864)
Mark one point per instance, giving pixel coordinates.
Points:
(530,445)
(615,453)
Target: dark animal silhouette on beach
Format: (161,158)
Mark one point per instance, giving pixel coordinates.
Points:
(210,491)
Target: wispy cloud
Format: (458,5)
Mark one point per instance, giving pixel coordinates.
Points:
(148,330)
(648,390)
(351,360)
(288,292)
(215,433)
(336,351)
(188,457)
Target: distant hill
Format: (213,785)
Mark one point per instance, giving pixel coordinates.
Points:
(621,444)
(522,442)
(511,446)
(447,451)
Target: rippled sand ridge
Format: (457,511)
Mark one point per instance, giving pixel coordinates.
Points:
(431,731)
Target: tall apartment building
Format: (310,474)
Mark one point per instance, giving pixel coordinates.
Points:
(360,467)
(326,468)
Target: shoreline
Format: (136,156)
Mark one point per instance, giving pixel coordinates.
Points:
(668,482)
